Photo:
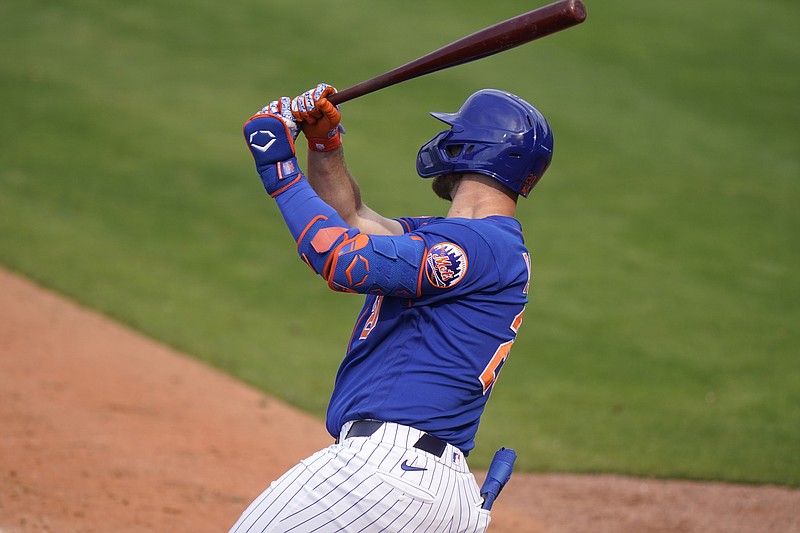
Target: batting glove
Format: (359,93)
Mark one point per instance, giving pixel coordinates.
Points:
(283,108)
(319,118)
(270,137)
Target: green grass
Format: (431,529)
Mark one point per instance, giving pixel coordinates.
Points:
(662,335)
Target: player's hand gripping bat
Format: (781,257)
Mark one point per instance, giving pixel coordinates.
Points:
(497,38)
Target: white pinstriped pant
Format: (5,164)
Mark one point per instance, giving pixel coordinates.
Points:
(360,485)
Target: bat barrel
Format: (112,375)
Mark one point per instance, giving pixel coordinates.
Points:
(502,36)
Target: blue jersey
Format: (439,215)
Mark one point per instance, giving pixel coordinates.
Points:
(429,359)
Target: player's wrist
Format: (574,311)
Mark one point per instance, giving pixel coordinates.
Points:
(325,144)
(280,176)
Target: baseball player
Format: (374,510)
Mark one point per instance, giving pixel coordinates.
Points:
(444,301)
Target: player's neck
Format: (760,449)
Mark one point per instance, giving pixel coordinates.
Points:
(478,196)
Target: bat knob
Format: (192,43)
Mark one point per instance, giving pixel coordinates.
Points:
(577,9)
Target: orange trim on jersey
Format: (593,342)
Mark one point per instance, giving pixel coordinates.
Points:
(517,321)
(421,265)
(355,328)
(373,318)
(491,372)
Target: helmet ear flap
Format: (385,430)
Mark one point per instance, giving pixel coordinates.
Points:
(432,160)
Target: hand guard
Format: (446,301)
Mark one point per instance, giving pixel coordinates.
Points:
(319,118)
(270,138)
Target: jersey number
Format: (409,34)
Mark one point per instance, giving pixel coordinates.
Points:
(373,318)
(492,370)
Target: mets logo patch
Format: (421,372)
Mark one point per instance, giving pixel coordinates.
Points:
(446,265)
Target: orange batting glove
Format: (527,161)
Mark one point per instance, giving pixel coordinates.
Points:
(318,118)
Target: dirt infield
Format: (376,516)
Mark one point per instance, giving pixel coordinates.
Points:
(104,430)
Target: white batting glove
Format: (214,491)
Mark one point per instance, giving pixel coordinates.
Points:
(283,109)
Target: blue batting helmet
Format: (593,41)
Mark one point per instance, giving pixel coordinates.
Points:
(494,133)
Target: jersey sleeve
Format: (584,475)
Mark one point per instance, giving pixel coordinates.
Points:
(458,259)
(414,223)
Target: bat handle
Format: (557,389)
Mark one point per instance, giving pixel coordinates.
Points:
(354,92)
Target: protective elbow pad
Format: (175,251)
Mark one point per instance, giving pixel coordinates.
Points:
(319,237)
(388,265)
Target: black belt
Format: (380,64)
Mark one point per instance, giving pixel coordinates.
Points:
(426,443)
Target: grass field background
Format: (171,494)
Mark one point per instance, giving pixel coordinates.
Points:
(662,335)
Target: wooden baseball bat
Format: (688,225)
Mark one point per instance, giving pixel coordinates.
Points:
(497,38)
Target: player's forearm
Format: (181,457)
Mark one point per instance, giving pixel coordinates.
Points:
(328,174)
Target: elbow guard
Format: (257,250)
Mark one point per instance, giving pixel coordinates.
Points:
(388,265)
(351,261)
(316,242)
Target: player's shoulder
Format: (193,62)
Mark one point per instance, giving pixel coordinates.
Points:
(493,224)
(487,253)
(411,224)
(493,230)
